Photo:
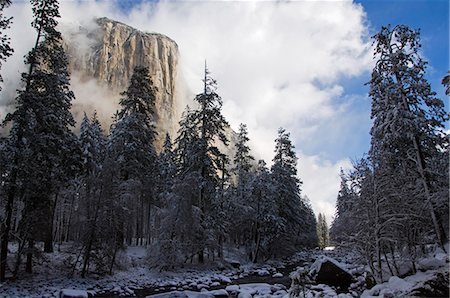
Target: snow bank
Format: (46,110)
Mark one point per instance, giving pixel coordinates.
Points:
(431,263)
(404,287)
(68,293)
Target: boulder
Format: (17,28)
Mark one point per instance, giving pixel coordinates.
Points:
(235,264)
(436,286)
(330,272)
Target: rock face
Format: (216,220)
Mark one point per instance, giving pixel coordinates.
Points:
(109,52)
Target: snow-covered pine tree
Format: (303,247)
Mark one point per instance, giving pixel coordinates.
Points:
(265,222)
(322,231)
(45,146)
(210,124)
(242,160)
(198,186)
(132,156)
(92,143)
(20,118)
(5,22)
(167,167)
(341,226)
(446,83)
(407,134)
(180,233)
(241,228)
(93,146)
(288,201)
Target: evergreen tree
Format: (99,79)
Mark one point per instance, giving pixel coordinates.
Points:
(288,201)
(45,148)
(167,166)
(93,146)
(198,190)
(266,224)
(446,83)
(240,208)
(5,22)
(132,156)
(322,231)
(242,161)
(341,226)
(210,124)
(407,134)
(181,232)
(120,177)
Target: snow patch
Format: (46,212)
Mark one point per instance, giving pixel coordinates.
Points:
(68,293)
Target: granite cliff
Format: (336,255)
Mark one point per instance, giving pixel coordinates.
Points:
(108,53)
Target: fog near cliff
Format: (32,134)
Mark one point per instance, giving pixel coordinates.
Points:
(277,64)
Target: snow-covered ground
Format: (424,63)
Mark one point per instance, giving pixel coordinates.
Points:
(52,275)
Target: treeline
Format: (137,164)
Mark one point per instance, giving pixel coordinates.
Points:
(103,192)
(395,201)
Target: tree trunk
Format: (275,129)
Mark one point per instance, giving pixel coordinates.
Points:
(21,245)
(421,167)
(201,257)
(87,256)
(29,263)
(6,229)
(48,244)
(387,263)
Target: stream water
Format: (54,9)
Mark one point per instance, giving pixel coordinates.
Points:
(251,278)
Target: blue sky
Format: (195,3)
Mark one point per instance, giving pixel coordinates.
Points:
(431,17)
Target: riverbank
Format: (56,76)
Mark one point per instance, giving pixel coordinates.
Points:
(134,278)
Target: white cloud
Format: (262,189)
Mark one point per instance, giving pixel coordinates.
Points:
(277,64)
(321,180)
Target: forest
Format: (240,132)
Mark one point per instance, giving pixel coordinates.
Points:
(104,189)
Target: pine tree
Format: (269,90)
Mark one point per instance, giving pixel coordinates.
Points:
(199,186)
(288,201)
(266,223)
(242,161)
(446,83)
(45,147)
(210,124)
(322,231)
(239,206)
(167,167)
(181,232)
(5,22)
(93,145)
(131,154)
(407,134)
(341,226)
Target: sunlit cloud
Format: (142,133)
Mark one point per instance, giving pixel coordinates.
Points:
(278,64)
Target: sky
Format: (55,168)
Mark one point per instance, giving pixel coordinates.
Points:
(301,65)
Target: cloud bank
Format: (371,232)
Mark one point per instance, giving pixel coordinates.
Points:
(278,64)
